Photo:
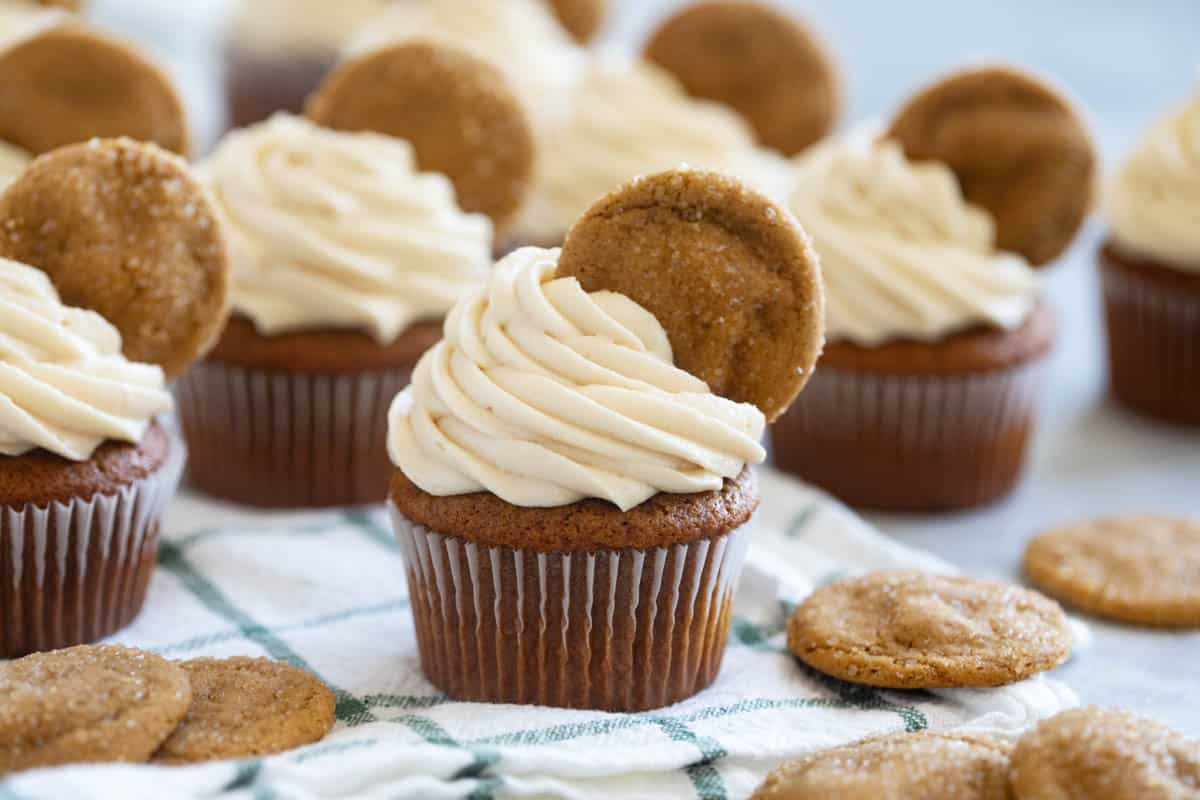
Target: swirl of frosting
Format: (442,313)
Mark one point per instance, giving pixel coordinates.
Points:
(544,394)
(12,162)
(20,19)
(1154,201)
(288,26)
(64,385)
(338,230)
(904,256)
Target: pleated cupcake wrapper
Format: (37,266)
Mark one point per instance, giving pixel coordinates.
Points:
(281,439)
(618,630)
(75,572)
(1153,345)
(908,442)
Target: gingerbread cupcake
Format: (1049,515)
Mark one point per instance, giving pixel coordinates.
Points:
(574,485)
(347,258)
(925,399)
(86,464)
(1150,265)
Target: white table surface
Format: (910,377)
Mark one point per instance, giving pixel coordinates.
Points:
(1126,61)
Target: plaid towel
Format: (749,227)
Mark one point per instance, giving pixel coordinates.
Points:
(326,592)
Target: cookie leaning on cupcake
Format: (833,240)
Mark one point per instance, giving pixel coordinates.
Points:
(574,459)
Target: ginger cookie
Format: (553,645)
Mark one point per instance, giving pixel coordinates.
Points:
(1143,570)
(1091,753)
(758,60)
(87,704)
(582,18)
(1018,148)
(731,276)
(456,110)
(912,630)
(245,707)
(903,766)
(69,83)
(124,229)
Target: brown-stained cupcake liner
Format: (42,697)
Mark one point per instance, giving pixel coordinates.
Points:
(614,630)
(1153,341)
(283,439)
(75,572)
(910,442)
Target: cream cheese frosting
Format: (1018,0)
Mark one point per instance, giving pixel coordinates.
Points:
(904,256)
(20,20)
(286,27)
(12,161)
(1154,200)
(544,394)
(339,230)
(65,387)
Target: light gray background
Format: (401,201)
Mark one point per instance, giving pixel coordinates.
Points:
(1126,61)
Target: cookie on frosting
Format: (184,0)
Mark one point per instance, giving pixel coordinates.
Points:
(69,83)
(123,228)
(730,275)
(912,630)
(760,61)
(456,110)
(1142,569)
(1018,148)
(582,18)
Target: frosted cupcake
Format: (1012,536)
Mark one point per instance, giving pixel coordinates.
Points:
(1150,265)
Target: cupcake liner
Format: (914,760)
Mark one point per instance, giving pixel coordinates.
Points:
(909,442)
(75,572)
(274,438)
(1153,344)
(615,630)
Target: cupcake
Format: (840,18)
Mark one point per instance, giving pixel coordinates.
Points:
(87,462)
(926,395)
(574,489)
(1150,265)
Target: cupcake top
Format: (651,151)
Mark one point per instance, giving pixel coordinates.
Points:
(12,160)
(285,27)
(904,255)
(630,117)
(65,387)
(1154,200)
(339,230)
(544,394)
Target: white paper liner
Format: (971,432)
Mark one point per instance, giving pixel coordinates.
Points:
(619,630)
(76,572)
(285,439)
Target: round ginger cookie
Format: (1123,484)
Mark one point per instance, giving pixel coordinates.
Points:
(245,707)
(456,110)
(1018,147)
(731,277)
(758,60)
(1143,570)
(69,84)
(913,630)
(123,228)
(1091,753)
(582,18)
(903,766)
(87,704)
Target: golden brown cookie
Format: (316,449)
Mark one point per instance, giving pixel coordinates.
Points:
(70,83)
(760,61)
(456,110)
(87,704)
(1019,150)
(1140,569)
(903,766)
(731,276)
(912,630)
(1092,753)
(124,229)
(248,707)
(581,18)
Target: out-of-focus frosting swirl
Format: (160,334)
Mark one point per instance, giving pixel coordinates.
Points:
(903,255)
(64,385)
(543,394)
(20,19)
(1154,201)
(339,230)
(629,118)
(285,27)
(12,162)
